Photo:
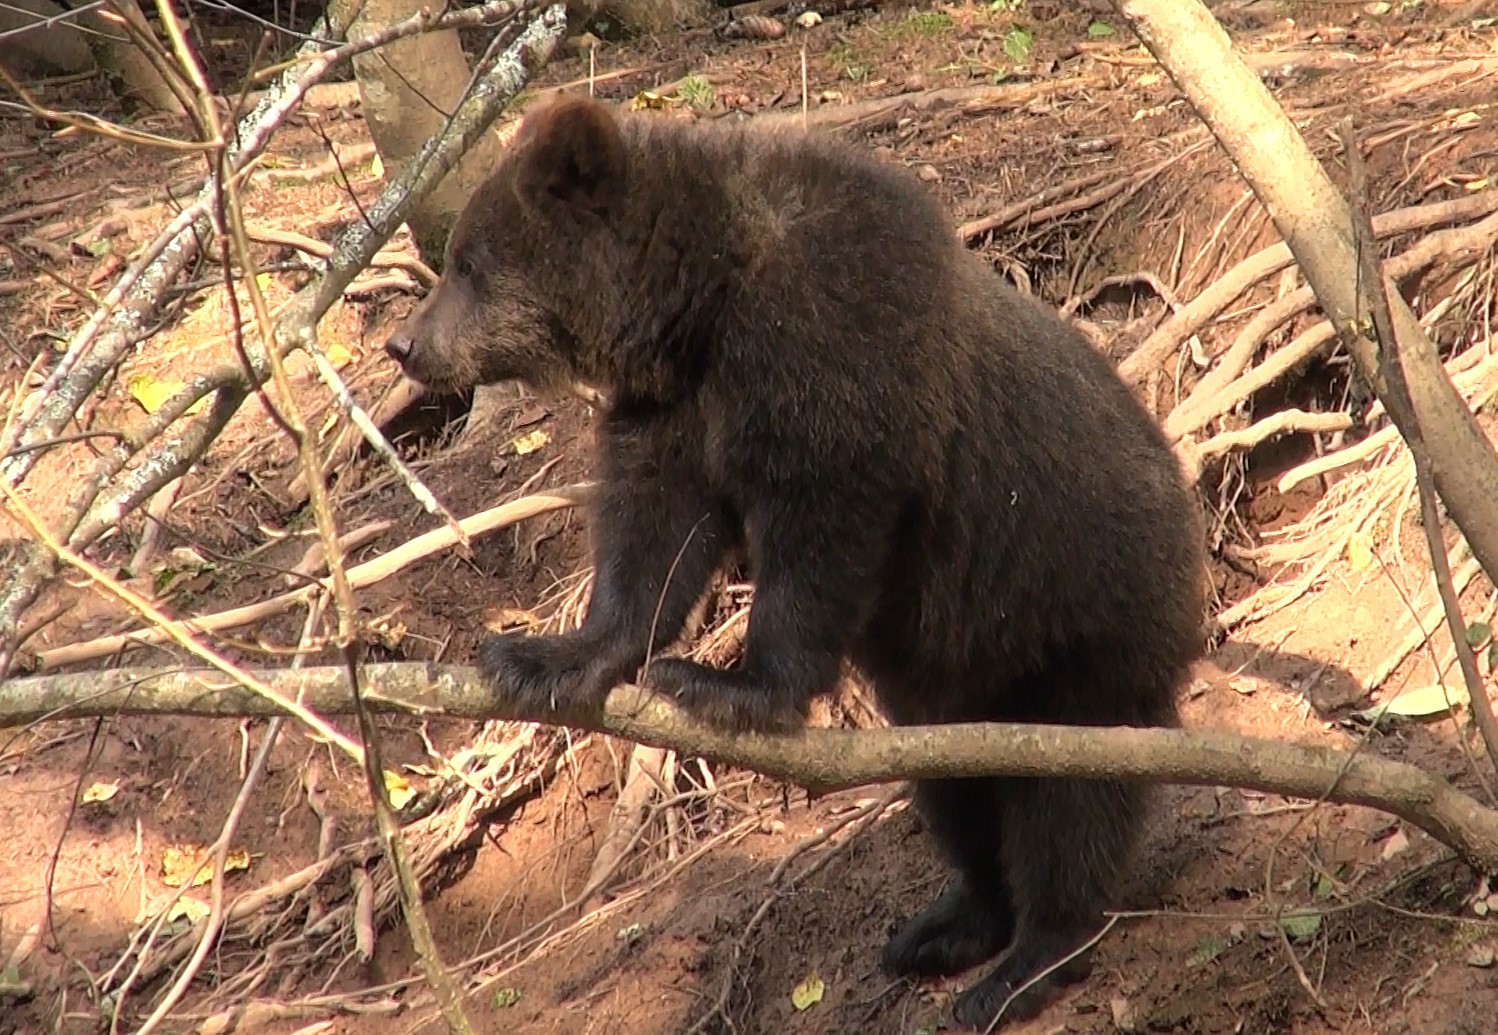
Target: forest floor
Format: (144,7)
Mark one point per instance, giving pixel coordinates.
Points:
(742,893)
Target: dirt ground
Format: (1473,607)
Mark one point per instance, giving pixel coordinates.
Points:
(745,896)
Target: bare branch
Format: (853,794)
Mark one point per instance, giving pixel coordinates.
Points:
(822,759)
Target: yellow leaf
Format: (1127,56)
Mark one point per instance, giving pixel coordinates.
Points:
(192,865)
(1149,79)
(100,791)
(530,442)
(1476,185)
(153,394)
(339,355)
(808,993)
(647,99)
(262,281)
(399,789)
(187,908)
(180,864)
(377,167)
(1359,551)
(1466,118)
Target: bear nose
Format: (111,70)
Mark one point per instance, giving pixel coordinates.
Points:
(398,347)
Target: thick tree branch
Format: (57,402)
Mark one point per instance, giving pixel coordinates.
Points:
(818,758)
(1314,220)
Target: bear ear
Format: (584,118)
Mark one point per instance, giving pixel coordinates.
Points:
(570,152)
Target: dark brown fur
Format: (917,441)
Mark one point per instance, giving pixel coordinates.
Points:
(930,474)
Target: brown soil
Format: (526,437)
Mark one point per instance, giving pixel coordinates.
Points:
(1397,947)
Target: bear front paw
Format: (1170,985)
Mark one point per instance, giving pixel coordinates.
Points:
(534,675)
(728,700)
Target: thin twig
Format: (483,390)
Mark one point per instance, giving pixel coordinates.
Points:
(1374,294)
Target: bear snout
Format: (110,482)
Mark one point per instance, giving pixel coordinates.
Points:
(399,347)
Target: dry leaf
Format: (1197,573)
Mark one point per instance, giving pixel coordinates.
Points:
(100,791)
(187,908)
(192,865)
(809,992)
(399,789)
(338,355)
(1359,550)
(153,394)
(530,442)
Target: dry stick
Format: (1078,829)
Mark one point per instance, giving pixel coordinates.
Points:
(360,575)
(1070,190)
(419,270)
(1387,436)
(340,160)
(356,245)
(1392,349)
(1224,387)
(1283,422)
(1197,313)
(168,628)
(141,288)
(828,759)
(396,398)
(971,99)
(381,445)
(627,819)
(156,513)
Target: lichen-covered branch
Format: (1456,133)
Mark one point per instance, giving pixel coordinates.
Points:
(131,304)
(358,244)
(296,327)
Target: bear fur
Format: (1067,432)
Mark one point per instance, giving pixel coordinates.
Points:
(931,475)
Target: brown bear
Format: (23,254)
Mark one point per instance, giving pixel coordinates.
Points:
(931,476)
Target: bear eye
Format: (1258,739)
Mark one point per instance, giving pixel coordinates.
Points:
(464,267)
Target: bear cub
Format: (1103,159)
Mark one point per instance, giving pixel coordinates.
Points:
(931,475)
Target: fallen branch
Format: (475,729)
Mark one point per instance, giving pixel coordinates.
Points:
(360,575)
(822,759)
(972,100)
